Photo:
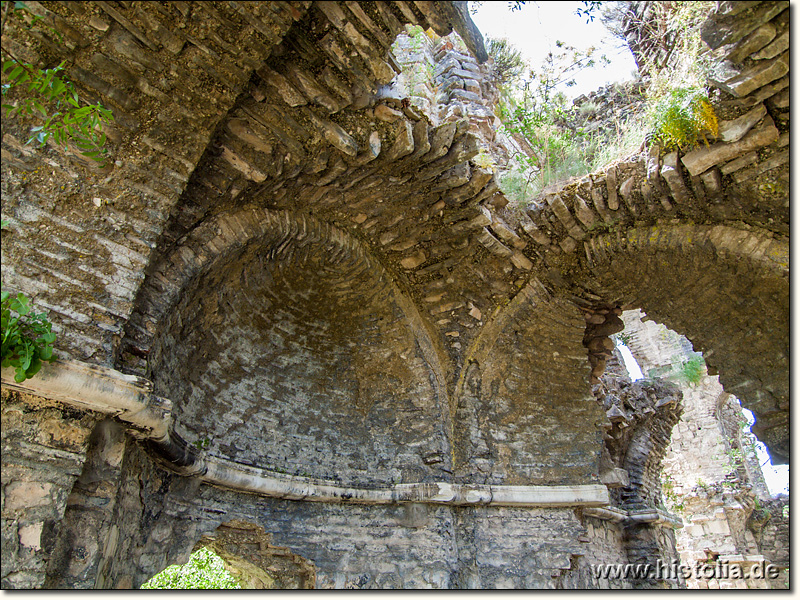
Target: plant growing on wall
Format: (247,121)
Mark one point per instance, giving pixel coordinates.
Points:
(27,337)
(691,370)
(681,118)
(50,97)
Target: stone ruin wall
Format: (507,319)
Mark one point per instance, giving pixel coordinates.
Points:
(712,476)
(109,514)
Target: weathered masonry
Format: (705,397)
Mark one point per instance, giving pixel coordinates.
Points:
(298,323)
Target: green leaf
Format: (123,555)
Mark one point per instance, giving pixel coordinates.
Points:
(16,72)
(34,368)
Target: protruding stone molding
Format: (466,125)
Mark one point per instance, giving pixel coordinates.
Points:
(129,399)
(627,518)
(654,516)
(230,475)
(100,389)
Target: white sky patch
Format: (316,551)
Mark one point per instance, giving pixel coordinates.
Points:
(776,476)
(634,371)
(535,29)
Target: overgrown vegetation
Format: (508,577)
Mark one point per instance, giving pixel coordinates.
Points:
(48,96)
(205,570)
(683,369)
(691,370)
(678,112)
(680,118)
(673,500)
(675,65)
(532,109)
(27,336)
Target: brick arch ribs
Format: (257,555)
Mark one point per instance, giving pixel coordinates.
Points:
(526,414)
(725,288)
(284,345)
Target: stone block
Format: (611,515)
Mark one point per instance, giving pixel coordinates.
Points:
(31,535)
(28,494)
(754,42)
(779,46)
(717,527)
(757,76)
(702,159)
(733,131)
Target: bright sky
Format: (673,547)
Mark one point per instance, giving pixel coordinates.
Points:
(535,29)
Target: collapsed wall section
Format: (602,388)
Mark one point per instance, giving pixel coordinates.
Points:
(711,474)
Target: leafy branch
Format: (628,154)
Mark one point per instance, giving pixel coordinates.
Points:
(27,338)
(51,97)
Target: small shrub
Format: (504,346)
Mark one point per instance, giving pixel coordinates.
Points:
(588,108)
(681,118)
(692,370)
(484,160)
(508,63)
(27,337)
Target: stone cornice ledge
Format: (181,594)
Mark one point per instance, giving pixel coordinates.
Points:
(130,400)
(102,390)
(230,475)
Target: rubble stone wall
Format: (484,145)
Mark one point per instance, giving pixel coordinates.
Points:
(44,449)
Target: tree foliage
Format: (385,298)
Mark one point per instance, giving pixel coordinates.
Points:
(205,570)
(48,96)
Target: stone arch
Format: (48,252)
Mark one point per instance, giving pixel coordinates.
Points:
(250,556)
(725,288)
(285,345)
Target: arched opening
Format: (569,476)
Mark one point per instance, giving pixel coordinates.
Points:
(238,555)
(726,289)
(205,570)
(710,471)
